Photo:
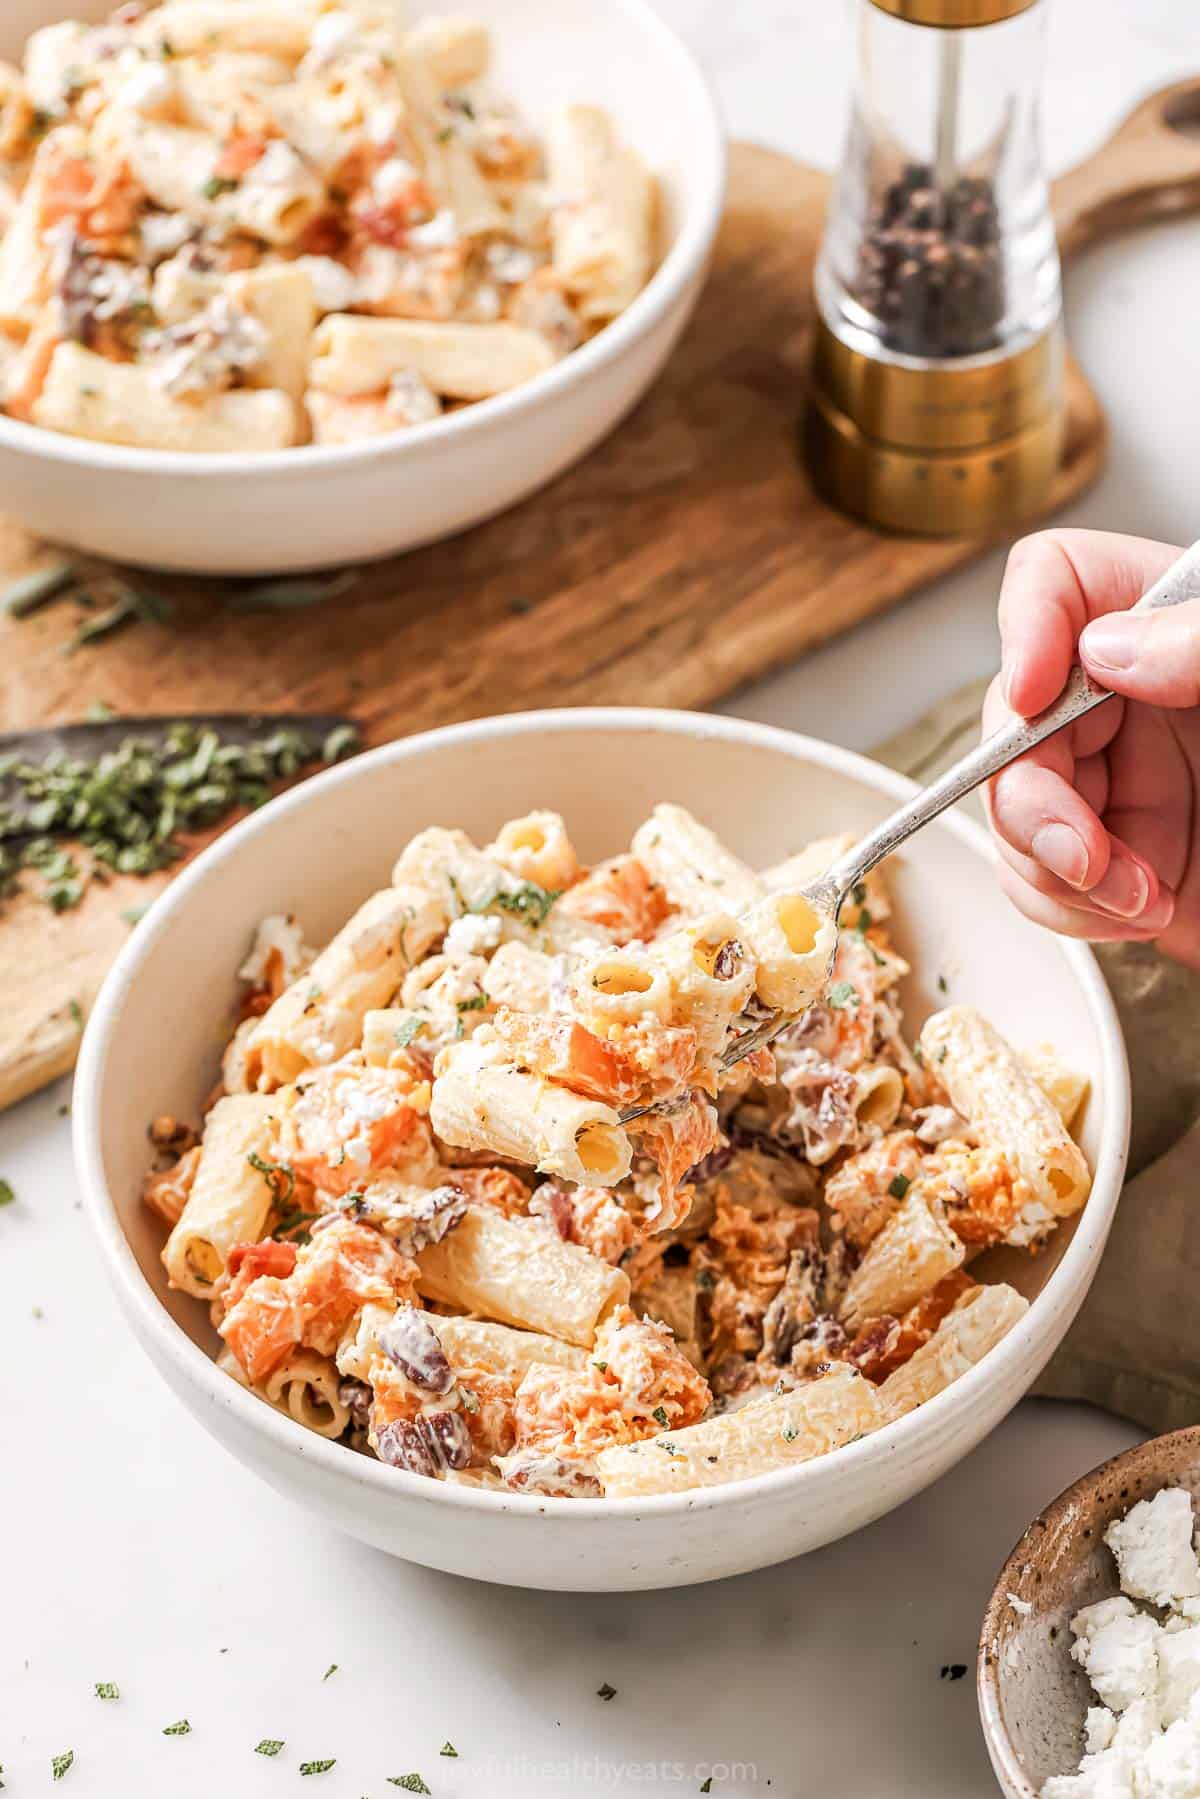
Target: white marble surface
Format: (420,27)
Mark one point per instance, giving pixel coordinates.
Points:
(137,1552)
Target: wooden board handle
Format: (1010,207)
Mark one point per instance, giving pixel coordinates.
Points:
(1149,169)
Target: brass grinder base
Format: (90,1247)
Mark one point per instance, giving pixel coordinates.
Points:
(942,449)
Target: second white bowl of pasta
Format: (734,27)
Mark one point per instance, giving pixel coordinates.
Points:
(409,1263)
(325,280)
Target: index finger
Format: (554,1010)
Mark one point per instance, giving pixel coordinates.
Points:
(1055,583)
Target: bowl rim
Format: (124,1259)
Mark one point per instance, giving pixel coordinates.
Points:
(193,1366)
(666,287)
(1040,1529)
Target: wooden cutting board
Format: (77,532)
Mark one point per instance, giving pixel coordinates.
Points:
(685,555)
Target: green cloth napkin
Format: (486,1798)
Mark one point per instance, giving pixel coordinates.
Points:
(1135,1347)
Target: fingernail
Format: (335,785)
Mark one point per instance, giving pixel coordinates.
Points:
(1112,642)
(1008,669)
(1124,889)
(1061,850)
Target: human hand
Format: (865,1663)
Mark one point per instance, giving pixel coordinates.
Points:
(1098,828)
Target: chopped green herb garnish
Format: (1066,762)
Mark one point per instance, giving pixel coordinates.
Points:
(33,590)
(941,981)
(411,1783)
(286,595)
(129,605)
(7,1196)
(269,1746)
(216,185)
(448,1748)
(669,1447)
(279,1176)
(918,1055)
(180,1728)
(99,713)
(863,922)
(603,1366)
(706,1785)
(134,914)
(790,1433)
(528,902)
(317,1767)
(343,740)
(941,1055)
(841,995)
(60,1763)
(606,1692)
(899,1186)
(659,1414)
(76,1011)
(478,1003)
(106,1689)
(445,134)
(331,1669)
(407,1029)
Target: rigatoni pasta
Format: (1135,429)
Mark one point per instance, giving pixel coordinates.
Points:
(481,1198)
(187,190)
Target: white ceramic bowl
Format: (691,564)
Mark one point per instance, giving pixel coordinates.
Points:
(309,508)
(152,1045)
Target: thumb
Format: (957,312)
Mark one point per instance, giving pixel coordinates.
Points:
(1149,656)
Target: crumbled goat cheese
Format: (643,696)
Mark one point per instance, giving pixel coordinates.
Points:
(509,264)
(333,284)
(1116,1645)
(1022,1607)
(1143,1742)
(474,934)
(277,935)
(332,33)
(1153,1547)
(411,400)
(392,179)
(163,234)
(1032,1222)
(440,233)
(147,88)
(935,1124)
(207,351)
(383,123)
(278,166)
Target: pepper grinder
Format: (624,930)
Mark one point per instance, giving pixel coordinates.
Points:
(937,401)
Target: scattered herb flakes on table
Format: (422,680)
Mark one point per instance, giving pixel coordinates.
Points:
(107,1689)
(269,1746)
(7,1196)
(128,807)
(180,1728)
(322,1767)
(61,1763)
(411,1783)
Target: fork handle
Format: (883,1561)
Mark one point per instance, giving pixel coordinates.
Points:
(1179,583)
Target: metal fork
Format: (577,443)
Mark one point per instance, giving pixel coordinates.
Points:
(829,893)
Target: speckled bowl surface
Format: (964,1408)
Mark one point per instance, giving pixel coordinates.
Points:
(1032,1696)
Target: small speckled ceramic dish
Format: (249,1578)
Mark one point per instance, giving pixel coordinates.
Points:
(1032,1696)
